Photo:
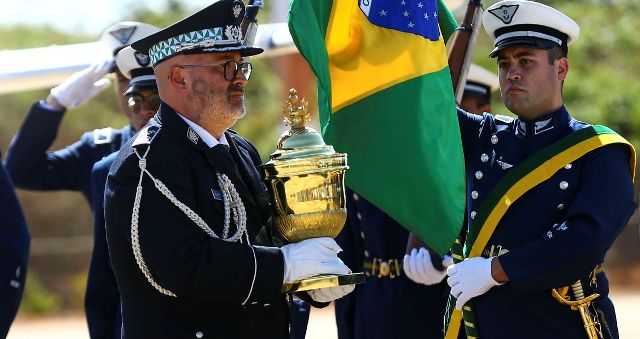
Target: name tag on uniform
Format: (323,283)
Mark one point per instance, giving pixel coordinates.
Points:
(217,194)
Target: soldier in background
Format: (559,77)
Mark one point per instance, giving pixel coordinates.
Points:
(480,84)
(33,167)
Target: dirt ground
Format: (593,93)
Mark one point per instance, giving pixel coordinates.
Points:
(321,324)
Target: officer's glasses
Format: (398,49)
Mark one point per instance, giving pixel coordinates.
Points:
(230,68)
(135,102)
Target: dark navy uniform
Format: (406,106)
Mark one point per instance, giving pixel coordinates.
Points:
(32,167)
(102,288)
(555,234)
(14,253)
(211,278)
(388,305)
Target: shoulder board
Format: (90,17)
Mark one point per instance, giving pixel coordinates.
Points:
(103,136)
(146,135)
(503,119)
(231,131)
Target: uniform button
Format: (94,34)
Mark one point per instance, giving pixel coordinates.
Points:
(359,216)
(494,139)
(366,253)
(484,157)
(479,175)
(474,195)
(473,215)
(564,185)
(560,207)
(362,234)
(199,335)
(356,197)
(569,165)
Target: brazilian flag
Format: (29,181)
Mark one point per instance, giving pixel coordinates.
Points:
(386,99)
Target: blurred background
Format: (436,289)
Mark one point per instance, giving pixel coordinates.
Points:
(602,88)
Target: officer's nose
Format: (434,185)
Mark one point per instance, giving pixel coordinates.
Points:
(514,73)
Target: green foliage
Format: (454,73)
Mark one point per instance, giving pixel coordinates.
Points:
(19,37)
(37,299)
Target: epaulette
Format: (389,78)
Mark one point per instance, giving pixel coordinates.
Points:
(503,119)
(103,136)
(146,135)
(231,131)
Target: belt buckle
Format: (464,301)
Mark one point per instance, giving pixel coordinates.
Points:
(386,268)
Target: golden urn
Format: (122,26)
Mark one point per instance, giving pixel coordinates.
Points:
(306,179)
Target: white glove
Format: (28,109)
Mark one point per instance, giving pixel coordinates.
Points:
(311,257)
(325,295)
(470,278)
(419,268)
(82,85)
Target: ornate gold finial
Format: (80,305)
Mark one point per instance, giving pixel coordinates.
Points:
(296,111)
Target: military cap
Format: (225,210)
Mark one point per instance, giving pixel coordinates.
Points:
(214,29)
(124,33)
(521,23)
(136,66)
(481,81)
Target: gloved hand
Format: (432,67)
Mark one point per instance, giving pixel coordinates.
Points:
(82,85)
(311,257)
(470,278)
(325,295)
(419,268)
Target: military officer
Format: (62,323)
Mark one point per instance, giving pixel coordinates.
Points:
(102,299)
(14,253)
(547,195)
(31,166)
(187,215)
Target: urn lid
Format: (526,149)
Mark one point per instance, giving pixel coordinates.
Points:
(299,141)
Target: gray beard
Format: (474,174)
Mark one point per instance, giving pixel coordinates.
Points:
(209,105)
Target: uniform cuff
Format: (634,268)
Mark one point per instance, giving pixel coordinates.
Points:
(267,284)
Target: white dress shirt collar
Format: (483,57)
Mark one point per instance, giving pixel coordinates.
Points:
(208,139)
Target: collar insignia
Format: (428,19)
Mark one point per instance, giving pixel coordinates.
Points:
(505,13)
(192,135)
(543,126)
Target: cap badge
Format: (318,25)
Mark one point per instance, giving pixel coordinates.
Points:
(192,135)
(233,32)
(142,59)
(123,34)
(505,12)
(237,9)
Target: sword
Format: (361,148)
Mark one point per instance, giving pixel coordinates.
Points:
(581,304)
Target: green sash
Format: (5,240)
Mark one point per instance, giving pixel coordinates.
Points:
(534,170)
